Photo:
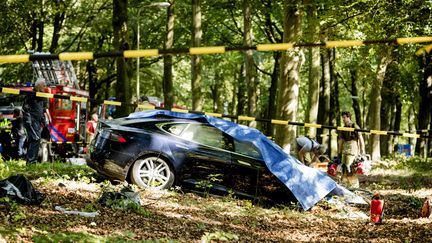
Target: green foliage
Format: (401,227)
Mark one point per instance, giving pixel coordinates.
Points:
(415,163)
(128,205)
(77,237)
(15,213)
(208,183)
(415,202)
(56,170)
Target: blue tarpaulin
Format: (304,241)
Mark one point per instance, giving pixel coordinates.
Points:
(307,184)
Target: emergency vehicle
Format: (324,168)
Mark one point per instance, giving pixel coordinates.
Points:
(65,133)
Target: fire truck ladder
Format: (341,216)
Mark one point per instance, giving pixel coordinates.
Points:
(55,72)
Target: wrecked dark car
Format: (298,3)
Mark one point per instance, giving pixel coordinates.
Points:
(159,149)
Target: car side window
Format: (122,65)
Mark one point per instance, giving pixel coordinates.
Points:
(176,128)
(208,135)
(247,148)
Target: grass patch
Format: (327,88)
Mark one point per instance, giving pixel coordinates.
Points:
(56,170)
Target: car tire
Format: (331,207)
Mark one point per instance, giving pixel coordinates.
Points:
(152,172)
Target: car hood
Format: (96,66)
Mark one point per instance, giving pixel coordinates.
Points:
(308,185)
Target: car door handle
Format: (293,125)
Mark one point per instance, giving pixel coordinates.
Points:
(181,146)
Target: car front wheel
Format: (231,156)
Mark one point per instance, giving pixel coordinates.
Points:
(152,172)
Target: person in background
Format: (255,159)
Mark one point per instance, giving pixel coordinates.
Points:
(309,146)
(35,116)
(18,133)
(5,136)
(350,144)
(91,127)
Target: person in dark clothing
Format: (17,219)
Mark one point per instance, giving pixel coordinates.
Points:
(18,133)
(34,109)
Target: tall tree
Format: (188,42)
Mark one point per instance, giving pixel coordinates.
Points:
(325,91)
(375,104)
(121,42)
(197,97)
(168,88)
(314,67)
(249,70)
(59,16)
(289,79)
(424,114)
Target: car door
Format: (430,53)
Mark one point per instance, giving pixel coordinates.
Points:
(208,158)
(247,168)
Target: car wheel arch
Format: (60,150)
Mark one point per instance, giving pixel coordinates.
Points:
(145,154)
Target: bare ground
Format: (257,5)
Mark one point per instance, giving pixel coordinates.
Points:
(187,217)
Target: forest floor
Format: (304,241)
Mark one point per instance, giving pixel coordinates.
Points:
(173,216)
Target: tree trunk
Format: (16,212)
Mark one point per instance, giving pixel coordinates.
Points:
(217,96)
(375,104)
(250,72)
(40,27)
(273,92)
(314,69)
(355,99)
(388,108)
(324,103)
(34,34)
(91,70)
(424,114)
(290,73)
(412,128)
(57,24)
(168,88)
(334,118)
(241,97)
(197,97)
(121,42)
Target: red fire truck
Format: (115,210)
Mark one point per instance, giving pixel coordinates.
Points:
(66,131)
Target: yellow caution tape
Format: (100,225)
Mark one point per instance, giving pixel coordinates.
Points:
(426,49)
(79,99)
(378,132)
(15,58)
(280,122)
(110,102)
(246,118)
(76,56)
(275,47)
(213,114)
(140,53)
(10,91)
(343,43)
(414,39)
(179,110)
(411,135)
(44,95)
(347,129)
(206,50)
(312,125)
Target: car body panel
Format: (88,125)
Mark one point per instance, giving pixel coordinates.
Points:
(201,155)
